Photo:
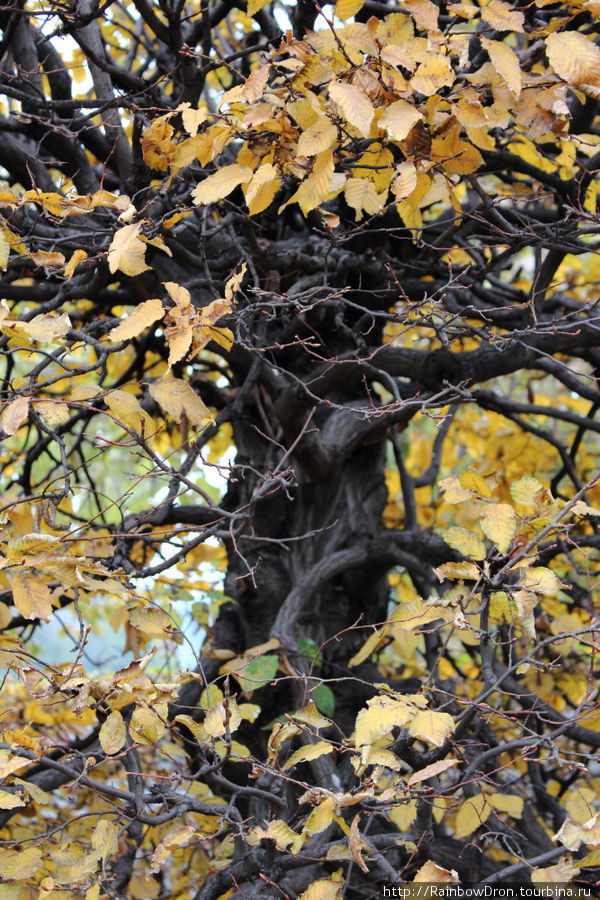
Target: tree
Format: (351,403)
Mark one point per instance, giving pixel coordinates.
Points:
(300,375)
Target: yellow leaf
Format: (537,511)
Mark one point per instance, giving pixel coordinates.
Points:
(403,814)
(572,834)
(41,258)
(453,490)
(35,792)
(174,839)
(506,63)
(126,408)
(278,831)
(383,714)
(431,726)
(457,570)
(508,803)
(255,6)
(146,725)
(525,489)
(502,16)
(105,838)
(261,189)
(405,180)
(471,481)
(9,766)
(23,864)
(46,327)
(561,873)
(113,733)
(435,73)
(580,804)
(356,844)
(141,317)
(574,57)
(4,249)
(433,873)
(31,596)
(498,521)
(221,719)
(431,771)
(361,195)
(398,119)
(372,643)
(471,814)
(354,104)
(309,751)
(320,818)
(541,581)
(317,186)
(466,542)
(192,118)
(127,252)
(177,397)
(14,415)
(325,888)
(319,136)
(53,413)
(345,9)
(11,801)
(221,184)
(77,257)
(212,312)
(311,716)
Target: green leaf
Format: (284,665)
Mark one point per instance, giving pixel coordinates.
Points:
(258,672)
(324,699)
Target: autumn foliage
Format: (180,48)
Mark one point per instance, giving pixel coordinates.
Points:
(299,460)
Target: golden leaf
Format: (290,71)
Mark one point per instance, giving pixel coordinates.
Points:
(425,13)
(255,6)
(31,596)
(320,818)
(219,720)
(4,249)
(572,834)
(382,714)
(126,252)
(561,873)
(405,180)
(261,189)
(361,195)
(141,317)
(20,865)
(574,57)
(77,257)
(345,9)
(311,715)
(7,767)
(433,873)
(319,136)
(105,838)
(499,524)
(508,803)
(177,397)
(316,187)
(221,184)
(14,415)
(373,642)
(53,413)
(46,327)
(506,63)
(41,258)
(126,408)
(502,16)
(307,752)
(430,726)
(435,73)
(278,831)
(398,119)
(525,489)
(157,146)
(466,542)
(146,725)
(325,888)
(354,104)
(11,801)
(541,581)
(192,118)
(174,839)
(471,481)
(113,733)
(356,844)
(471,814)
(431,771)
